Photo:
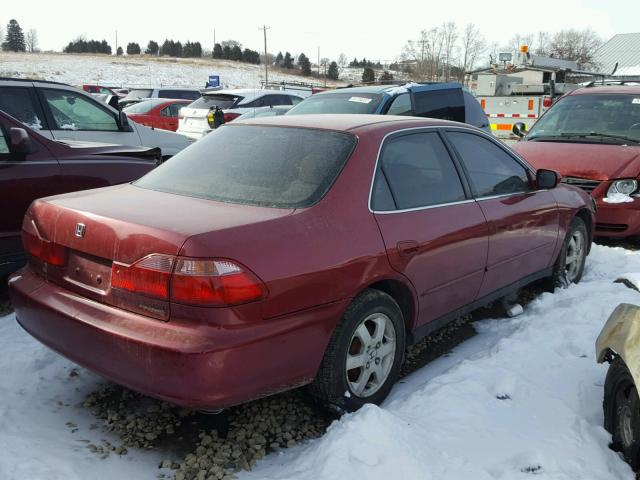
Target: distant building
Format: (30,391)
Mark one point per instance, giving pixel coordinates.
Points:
(623,49)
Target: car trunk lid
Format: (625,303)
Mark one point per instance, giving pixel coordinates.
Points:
(120,226)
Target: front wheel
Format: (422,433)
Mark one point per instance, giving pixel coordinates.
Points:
(622,412)
(364,355)
(569,266)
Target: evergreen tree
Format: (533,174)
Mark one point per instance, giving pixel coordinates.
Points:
(226,52)
(192,50)
(177,49)
(236,53)
(368,75)
(279,59)
(119,52)
(133,49)
(152,48)
(386,76)
(305,65)
(288,61)
(217,51)
(332,73)
(354,63)
(14,40)
(166,47)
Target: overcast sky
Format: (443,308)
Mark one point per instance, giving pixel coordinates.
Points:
(374,30)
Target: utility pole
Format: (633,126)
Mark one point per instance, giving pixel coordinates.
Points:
(116,42)
(264,28)
(214,38)
(318,62)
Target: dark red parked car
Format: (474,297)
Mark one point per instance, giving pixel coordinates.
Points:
(157,113)
(307,250)
(32,166)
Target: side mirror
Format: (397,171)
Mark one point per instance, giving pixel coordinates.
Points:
(123,122)
(546,179)
(20,141)
(519,129)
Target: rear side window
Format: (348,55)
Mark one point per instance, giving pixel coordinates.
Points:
(447,104)
(18,103)
(222,101)
(492,171)
(418,172)
(180,94)
(340,102)
(257,165)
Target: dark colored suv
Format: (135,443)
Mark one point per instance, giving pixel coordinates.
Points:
(32,166)
(447,101)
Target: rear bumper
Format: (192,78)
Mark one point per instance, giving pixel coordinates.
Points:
(618,220)
(202,366)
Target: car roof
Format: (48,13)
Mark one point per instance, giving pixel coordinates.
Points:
(31,80)
(609,89)
(348,122)
(364,89)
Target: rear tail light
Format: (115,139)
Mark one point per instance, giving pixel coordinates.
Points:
(47,251)
(190,281)
(547,102)
(148,276)
(228,116)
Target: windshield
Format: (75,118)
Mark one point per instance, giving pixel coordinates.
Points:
(597,117)
(279,167)
(222,101)
(338,102)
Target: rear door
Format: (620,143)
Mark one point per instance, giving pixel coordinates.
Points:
(72,115)
(434,233)
(523,222)
(19,100)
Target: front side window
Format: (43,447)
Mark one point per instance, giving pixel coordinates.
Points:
(279,167)
(72,111)
(4,144)
(415,171)
(601,118)
(447,104)
(401,105)
(491,170)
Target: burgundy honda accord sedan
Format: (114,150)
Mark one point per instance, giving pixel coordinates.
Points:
(292,250)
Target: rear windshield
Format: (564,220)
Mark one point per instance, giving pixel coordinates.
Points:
(342,102)
(279,167)
(139,93)
(222,101)
(141,107)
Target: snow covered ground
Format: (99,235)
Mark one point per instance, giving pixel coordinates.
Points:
(135,70)
(523,397)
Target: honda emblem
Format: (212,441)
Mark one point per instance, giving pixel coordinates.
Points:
(80,229)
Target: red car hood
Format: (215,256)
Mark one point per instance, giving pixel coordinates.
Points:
(591,161)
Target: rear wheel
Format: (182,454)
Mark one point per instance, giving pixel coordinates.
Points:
(364,355)
(569,266)
(622,412)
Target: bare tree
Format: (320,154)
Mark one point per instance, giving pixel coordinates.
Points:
(577,45)
(473,45)
(543,44)
(449,36)
(31,40)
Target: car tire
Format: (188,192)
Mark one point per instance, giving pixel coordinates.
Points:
(622,412)
(569,265)
(371,337)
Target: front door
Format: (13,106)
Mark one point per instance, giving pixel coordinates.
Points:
(434,233)
(523,222)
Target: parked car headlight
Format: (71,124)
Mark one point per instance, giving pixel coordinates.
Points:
(626,187)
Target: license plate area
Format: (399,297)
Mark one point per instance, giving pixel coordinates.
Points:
(88,271)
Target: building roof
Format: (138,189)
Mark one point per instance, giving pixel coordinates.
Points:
(623,48)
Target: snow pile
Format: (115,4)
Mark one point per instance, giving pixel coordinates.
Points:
(522,397)
(136,71)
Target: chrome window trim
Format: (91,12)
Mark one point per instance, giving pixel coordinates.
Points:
(427,207)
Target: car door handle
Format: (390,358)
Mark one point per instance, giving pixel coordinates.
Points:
(408,248)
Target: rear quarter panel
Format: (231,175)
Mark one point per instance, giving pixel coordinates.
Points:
(571,201)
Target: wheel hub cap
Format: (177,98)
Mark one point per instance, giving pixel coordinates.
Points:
(371,355)
(575,254)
